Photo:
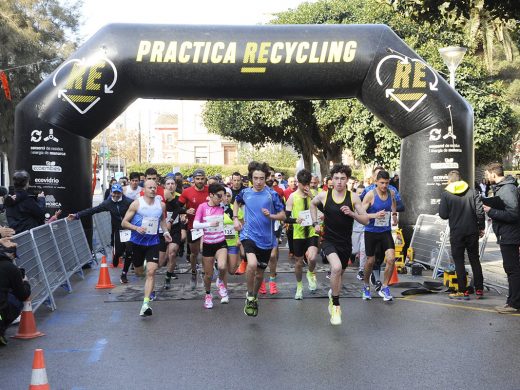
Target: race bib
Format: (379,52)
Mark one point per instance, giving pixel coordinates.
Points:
(383,222)
(305,216)
(124,235)
(196,234)
(219,227)
(276,225)
(151,224)
(229,230)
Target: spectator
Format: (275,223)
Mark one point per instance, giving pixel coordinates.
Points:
(395,181)
(24,210)
(506,226)
(3,217)
(14,287)
(107,191)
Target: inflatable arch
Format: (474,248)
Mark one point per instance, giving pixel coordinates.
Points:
(56,121)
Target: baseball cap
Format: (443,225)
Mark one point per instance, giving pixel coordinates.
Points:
(278,174)
(199,172)
(117,188)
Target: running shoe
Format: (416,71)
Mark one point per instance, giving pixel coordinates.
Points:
(241,268)
(146,310)
(262,289)
(218,282)
(167,283)
(152,296)
(366,293)
(299,292)
(328,275)
(123,279)
(335,316)
(251,307)
(311,279)
(225,299)
(376,283)
(273,288)
(385,294)
(174,276)
(479,293)
(222,290)
(193,281)
(208,301)
(459,295)
(3,341)
(360,275)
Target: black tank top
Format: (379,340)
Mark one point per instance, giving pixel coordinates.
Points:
(338,226)
(174,207)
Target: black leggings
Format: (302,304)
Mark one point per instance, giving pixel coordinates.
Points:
(511,260)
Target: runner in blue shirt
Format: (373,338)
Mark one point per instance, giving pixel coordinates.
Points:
(262,207)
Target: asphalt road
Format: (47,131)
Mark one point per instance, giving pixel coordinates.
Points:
(422,342)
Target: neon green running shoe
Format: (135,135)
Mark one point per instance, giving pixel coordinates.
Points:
(311,279)
(299,292)
(251,307)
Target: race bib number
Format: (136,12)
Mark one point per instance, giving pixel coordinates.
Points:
(219,227)
(229,230)
(276,225)
(124,235)
(151,224)
(305,216)
(383,222)
(196,234)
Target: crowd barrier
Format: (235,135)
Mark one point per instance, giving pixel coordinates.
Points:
(51,254)
(431,246)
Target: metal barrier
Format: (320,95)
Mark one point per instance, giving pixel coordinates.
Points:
(103,231)
(431,246)
(51,254)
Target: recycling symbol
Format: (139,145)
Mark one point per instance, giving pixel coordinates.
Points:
(82,84)
(409,85)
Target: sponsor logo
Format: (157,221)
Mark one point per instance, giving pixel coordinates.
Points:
(412,80)
(50,166)
(46,180)
(83,83)
(51,202)
(37,136)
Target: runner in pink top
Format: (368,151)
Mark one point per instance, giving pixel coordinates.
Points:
(210,217)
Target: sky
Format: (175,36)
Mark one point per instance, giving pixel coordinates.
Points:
(97,13)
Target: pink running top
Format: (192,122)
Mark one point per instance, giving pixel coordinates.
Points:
(206,213)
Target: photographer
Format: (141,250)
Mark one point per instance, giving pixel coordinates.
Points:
(14,287)
(24,210)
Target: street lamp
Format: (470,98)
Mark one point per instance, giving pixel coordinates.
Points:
(452,57)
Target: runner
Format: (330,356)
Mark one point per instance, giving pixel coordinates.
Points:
(304,236)
(143,218)
(231,234)
(210,218)
(358,241)
(340,208)
(380,205)
(191,198)
(177,228)
(133,190)
(262,208)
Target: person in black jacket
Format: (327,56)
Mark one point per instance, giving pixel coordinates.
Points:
(23,210)
(462,206)
(506,225)
(14,288)
(117,205)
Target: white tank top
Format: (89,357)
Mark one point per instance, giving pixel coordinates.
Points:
(132,194)
(151,215)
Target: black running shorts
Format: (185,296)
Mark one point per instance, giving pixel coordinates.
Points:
(210,250)
(300,245)
(384,239)
(262,255)
(342,251)
(140,253)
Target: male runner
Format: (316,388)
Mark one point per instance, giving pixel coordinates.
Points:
(262,208)
(177,229)
(191,198)
(380,205)
(132,190)
(143,218)
(340,208)
(304,236)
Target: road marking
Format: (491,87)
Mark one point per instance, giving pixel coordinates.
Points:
(97,351)
(455,306)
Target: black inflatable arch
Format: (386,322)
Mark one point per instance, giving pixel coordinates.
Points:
(56,122)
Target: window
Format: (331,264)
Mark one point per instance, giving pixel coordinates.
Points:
(201,155)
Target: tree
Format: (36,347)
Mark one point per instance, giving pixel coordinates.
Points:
(483,22)
(285,122)
(35,36)
(277,155)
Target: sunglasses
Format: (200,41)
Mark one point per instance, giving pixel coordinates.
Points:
(218,195)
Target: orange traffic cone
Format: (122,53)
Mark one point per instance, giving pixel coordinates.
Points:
(242,268)
(27,328)
(104,276)
(394,278)
(39,374)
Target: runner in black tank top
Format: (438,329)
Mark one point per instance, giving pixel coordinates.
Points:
(340,208)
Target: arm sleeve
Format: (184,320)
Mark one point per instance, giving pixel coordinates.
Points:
(21,289)
(200,225)
(94,210)
(510,214)
(288,218)
(481,216)
(198,215)
(443,207)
